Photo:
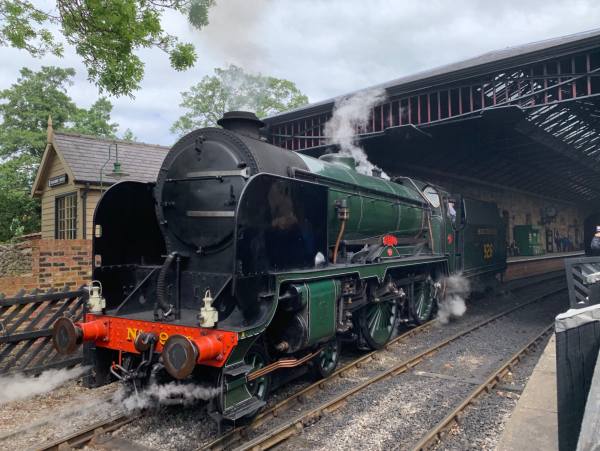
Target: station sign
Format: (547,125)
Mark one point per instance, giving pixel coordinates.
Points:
(57,180)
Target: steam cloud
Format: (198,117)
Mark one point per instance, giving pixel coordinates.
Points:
(233,31)
(172,393)
(19,386)
(453,304)
(349,115)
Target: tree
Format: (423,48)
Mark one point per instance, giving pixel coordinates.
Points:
(26,105)
(96,120)
(232,88)
(24,110)
(105,34)
(19,212)
(129,136)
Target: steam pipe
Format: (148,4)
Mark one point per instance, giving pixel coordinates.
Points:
(343,213)
(337,241)
(177,287)
(161,294)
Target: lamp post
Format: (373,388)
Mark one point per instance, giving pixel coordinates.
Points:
(117,172)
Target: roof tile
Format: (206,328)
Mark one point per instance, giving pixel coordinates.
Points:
(87,155)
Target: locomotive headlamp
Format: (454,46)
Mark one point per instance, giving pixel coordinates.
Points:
(96,303)
(67,335)
(180,354)
(208,314)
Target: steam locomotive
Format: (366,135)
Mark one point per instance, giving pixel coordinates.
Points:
(244,260)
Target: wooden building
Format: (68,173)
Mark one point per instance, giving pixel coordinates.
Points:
(76,169)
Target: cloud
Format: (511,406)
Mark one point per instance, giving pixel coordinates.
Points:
(328,47)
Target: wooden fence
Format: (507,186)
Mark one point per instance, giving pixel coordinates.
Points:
(26,329)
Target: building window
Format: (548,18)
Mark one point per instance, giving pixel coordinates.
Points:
(66,217)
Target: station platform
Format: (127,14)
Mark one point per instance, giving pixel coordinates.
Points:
(533,424)
(519,267)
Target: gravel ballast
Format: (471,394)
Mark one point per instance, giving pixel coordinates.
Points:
(390,414)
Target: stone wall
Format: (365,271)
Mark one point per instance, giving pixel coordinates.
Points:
(15,259)
(54,264)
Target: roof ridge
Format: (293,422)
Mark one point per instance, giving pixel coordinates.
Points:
(104,139)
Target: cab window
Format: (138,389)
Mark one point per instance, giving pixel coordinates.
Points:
(432,196)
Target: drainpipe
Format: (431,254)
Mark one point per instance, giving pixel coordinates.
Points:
(84,193)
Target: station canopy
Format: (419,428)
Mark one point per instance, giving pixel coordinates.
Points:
(525,118)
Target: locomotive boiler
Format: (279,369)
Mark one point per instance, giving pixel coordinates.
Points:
(245,259)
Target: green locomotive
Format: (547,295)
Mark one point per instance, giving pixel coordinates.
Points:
(245,259)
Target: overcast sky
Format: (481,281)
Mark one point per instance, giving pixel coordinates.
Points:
(327,47)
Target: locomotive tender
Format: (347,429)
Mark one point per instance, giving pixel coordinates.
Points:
(244,259)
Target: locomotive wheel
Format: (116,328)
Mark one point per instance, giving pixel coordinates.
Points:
(422,301)
(258,358)
(327,360)
(377,322)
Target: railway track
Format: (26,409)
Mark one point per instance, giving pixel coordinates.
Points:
(240,437)
(436,434)
(85,436)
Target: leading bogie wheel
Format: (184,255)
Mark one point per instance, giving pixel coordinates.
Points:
(377,322)
(258,358)
(326,361)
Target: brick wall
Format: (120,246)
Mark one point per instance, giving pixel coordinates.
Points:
(54,264)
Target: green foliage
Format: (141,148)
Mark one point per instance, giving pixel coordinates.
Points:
(24,109)
(96,120)
(230,89)
(129,136)
(105,34)
(26,105)
(19,212)
(23,26)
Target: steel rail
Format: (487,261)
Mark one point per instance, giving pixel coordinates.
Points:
(436,433)
(239,432)
(295,425)
(84,436)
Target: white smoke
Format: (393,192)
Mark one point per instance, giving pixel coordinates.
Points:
(20,386)
(349,115)
(452,305)
(165,394)
(233,31)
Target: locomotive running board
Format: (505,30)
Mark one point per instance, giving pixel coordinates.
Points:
(238,369)
(248,407)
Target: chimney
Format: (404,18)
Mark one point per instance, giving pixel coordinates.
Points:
(242,122)
(49,130)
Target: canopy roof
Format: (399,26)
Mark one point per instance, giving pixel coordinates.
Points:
(524,117)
